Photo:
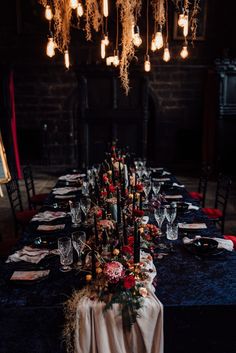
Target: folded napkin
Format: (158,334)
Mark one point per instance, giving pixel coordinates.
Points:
(166,173)
(63,191)
(71,177)
(65,197)
(232,238)
(178,185)
(192,226)
(28,254)
(192,207)
(175,197)
(222,243)
(161,179)
(48,216)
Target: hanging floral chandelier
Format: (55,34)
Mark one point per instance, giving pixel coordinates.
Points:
(95,14)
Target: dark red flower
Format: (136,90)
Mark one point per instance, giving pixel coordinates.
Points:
(138,213)
(105,178)
(139,187)
(112,188)
(131,240)
(129,281)
(127,249)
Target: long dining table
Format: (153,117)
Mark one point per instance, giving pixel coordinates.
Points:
(198,293)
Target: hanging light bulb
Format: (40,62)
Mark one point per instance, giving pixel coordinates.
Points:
(73,4)
(147,64)
(137,40)
(80,10)
(50,50)
(181,20)
(166,54)
(48,13)
(159,40)
(153,44)
(106,39)
(103,49)
(184,52)
(109,60)
(66,59)
(105,8)
(116,60)
(185,28)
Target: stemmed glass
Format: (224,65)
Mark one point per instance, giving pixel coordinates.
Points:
(66,253)
(159,214)
(146,189)
(156,186)
(79,242)
(171,212)
(85,204)
(75,213)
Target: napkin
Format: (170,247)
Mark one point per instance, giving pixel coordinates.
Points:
(65,197)
(173,197)
(63,191)
(161,179)
(49,228)
(222,243)
(71,177)
(166,173)
(178,185)
(28,254)
(48,216)
(232,238)
(192,207)
(192,226)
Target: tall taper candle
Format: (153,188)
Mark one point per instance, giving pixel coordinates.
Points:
(93,264)
(96,230)
(136,244)
(118,206)
(125,239)
(140,201)
(134,194)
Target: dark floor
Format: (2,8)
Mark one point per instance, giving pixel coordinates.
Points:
(45,181)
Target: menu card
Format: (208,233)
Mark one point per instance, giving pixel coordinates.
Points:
(29,275)
(192,226)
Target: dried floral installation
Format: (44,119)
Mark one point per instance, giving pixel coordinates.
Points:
(93,17)
(194,18)
(158,11)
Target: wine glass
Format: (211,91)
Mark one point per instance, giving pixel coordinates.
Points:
(85,204)
(79,242)
(159,214)
(156,186)
(75,213)
(85,188)
(171,212)
(66,253)
(146,189)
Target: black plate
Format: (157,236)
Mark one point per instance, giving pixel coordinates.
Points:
(204,247)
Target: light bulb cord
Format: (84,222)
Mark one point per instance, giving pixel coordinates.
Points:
(167,23)
(117,26)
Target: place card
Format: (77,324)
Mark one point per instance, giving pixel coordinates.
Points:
(29,275)
(191,226)
(64,197)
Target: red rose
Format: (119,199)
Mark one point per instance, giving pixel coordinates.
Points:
(112,188)
(138,213)
(105,179)
(131,240)
(127,249)
(139,187)
(129,281)
(104,193)
(99,213)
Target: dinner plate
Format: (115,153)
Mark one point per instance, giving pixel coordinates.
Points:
(204,247)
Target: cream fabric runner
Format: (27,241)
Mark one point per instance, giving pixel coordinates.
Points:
(99,332)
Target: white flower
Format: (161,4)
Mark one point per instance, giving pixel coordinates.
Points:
(143,292)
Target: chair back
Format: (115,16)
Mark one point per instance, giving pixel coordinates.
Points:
(222,192)
(13,192)
(203,180)
(29,183)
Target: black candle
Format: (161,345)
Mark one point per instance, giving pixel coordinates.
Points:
(134,200)
(120,176)
(124,230)
(113,174)
(93,264)
(118,206)
(140,201)
(136,244)
(96,230)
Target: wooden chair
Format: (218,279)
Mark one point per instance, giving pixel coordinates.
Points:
(200,194)
(217,214)
(21,217)
(34,199)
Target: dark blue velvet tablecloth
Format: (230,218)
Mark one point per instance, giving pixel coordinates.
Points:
(198,294)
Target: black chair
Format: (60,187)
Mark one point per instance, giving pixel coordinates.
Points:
(21,217)
(34,199)
(217,214)
(200,194)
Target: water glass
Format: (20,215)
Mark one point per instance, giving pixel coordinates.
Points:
(159,214)
(146,189)
(156,186)
(79,243)
(66,253)
(85,204)
(75,212)
(172,231)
